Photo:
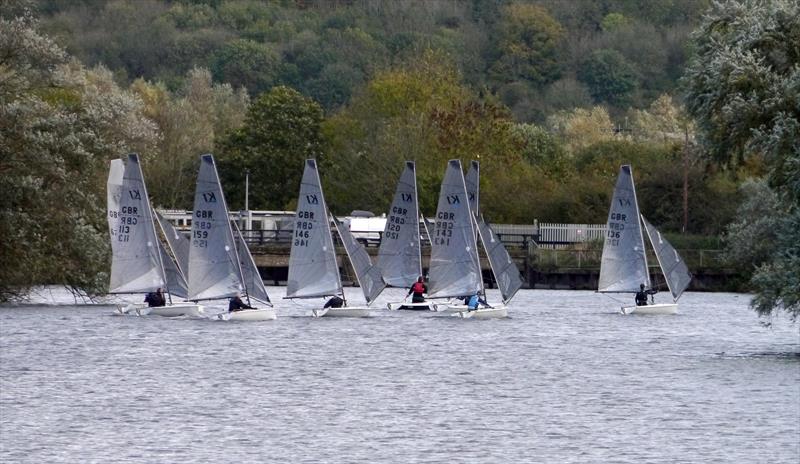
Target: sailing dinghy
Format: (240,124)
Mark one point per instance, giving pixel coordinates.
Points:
(503,268)
(455,270)
(624,263)
(313,270)
(215,261)
(140,262)
(400,254)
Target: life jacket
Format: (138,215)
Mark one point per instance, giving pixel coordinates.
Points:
(418,287)
(473,302)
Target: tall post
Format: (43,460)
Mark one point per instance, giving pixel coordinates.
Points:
(248,222)
(685,179)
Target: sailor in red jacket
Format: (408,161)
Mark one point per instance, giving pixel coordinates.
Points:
(418,289)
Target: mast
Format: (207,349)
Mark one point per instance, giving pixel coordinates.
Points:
(641,236)
(417,215)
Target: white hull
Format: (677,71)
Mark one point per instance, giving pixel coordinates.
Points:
(265,314)
(497,312)
(424,306)
(663,308)
(452,306)
(180,309)
(176,310)
(347,311)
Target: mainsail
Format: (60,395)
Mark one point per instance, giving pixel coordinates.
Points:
(455,269)
(505,271)
(214,270)
(399,256)
(369,276)
(313,271)
(674,268)
(623,267)
(252,279)
(136,265)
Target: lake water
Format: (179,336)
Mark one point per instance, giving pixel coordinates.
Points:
(564,379)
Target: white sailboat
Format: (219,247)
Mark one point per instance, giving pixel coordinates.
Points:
(455,267)
(400,254)
(215,266)
(624,263)
(313,270)
(503,268)
(140,263)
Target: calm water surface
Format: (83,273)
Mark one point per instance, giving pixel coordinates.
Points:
(564,379)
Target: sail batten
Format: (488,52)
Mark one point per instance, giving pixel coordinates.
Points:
(136,265)
(214,269)
(399,256)
(505,271)
(674,268)
(313,270)
(455,268)
(623,266)
(368,276)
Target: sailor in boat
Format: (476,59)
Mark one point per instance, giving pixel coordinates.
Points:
(418,288)
(334,302)
(475,301)
(641,295)
(155,299)
(236,304)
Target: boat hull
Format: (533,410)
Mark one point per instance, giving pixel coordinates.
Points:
(497,312)
(424,306)
(654,309)
(264,314)
(348,311)
(452,306)
(176,310)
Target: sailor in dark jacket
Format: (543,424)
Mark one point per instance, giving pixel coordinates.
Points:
(641,295)
(155,299)
(334,302)
(236,304)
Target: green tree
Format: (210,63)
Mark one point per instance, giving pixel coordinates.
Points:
(59,126)
(189,123)
(282,128)
(244,63)
(743,88)
(609,77)
(528,44)
(582,127)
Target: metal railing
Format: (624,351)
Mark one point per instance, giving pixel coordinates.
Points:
(554,233)
(373,239)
